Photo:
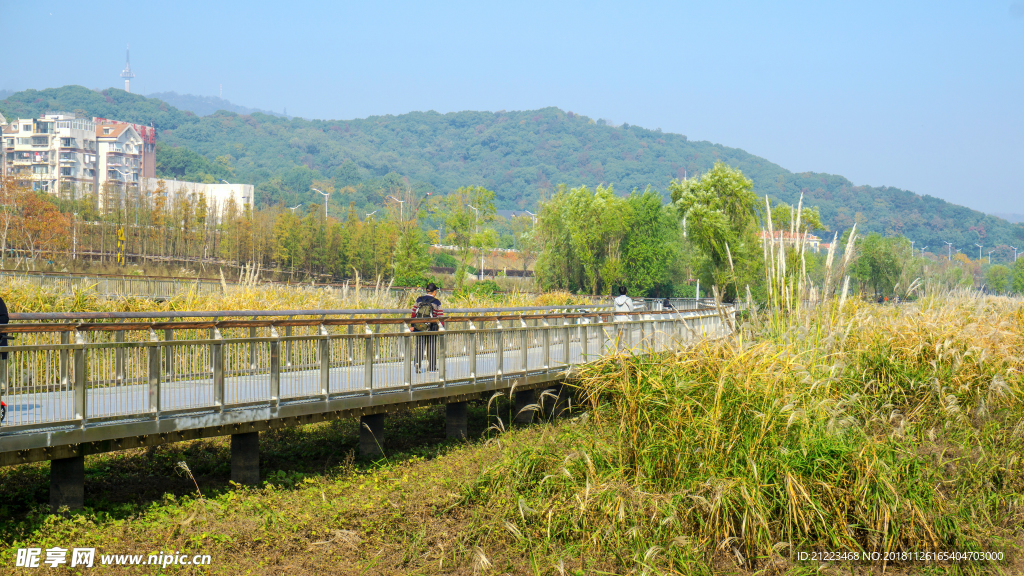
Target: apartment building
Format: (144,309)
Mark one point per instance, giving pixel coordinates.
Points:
(148,136)
(120,157)
(63,153)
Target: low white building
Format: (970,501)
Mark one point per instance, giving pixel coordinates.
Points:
(217,195)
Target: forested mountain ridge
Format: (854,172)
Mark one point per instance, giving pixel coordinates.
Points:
(521,155)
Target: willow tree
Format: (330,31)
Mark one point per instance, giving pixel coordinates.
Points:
(580,236)
(720,215)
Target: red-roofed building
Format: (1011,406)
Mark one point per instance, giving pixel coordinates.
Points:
(148,136)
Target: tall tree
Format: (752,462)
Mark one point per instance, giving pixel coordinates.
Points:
(462,212)
(720,214)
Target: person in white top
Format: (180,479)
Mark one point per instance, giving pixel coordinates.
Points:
(623,303)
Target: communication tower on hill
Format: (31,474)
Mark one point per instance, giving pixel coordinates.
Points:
(127,72)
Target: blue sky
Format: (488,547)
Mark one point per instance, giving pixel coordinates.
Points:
(926,96)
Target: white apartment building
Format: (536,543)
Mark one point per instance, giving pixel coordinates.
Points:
(120,158)
(61,153)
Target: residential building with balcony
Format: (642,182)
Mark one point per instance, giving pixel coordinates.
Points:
(55,153)
(120,161)
(63,153)
(148,136)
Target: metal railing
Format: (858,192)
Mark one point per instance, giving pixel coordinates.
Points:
(78,377)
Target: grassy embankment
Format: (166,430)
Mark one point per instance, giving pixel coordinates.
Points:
(868,429)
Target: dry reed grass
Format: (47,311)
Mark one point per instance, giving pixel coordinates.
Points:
(23,297)
(859,428)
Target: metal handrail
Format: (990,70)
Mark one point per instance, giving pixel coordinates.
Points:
(147,377)
(265,313)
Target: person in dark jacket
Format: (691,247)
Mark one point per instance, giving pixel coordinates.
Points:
(427,306)
(4,319)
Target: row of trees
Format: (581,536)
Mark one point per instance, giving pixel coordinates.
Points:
(582,240)
(889,265)
(592,241)
(186,227)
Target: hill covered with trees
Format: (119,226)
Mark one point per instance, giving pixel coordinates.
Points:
(521,155)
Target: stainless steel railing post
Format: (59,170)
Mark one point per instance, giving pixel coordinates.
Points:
(546,339)
(368,362)
(275,366)
(217,361)
(499,350)
(154,374)
(288,347)
(252,347)
(80,382)
(65,364)
(407,358)
(169,367)
(524,352)
(584,329)
(472,335)
(119,357)
(565,341)
(442,355)
(325,362)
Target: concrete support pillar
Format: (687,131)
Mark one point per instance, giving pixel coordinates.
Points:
(245,458)
(523,399)
(371,436)
(561,403)
(67,483)
(456,420)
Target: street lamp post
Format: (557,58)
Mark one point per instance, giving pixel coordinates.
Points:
(293,208)
(949,251)
(990,255)
(371,214)
(979,250)
(401,208)
(534,217)
(327,198)
(923,248)
(1014,253)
